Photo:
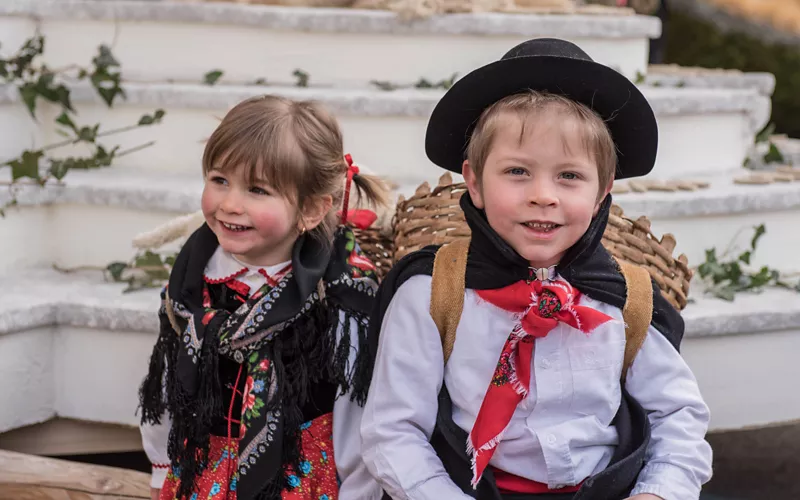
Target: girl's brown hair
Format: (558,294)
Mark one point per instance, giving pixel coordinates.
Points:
(294,146)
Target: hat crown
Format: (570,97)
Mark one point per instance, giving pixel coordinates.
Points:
(552,47)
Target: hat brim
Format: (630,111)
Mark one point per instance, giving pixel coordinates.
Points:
(611,95)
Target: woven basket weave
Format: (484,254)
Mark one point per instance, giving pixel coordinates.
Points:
(378,247)
(434,217)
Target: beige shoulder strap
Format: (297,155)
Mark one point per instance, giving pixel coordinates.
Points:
(447,291)
(637,312)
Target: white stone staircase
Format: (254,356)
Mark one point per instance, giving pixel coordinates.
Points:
(74,346)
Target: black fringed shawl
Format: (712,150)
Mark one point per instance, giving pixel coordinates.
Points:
(298,319)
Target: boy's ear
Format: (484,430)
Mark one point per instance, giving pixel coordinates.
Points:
(473,184)
(315,212)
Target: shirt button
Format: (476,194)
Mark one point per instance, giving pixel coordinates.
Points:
(545,364)
(551,439)
(559,486)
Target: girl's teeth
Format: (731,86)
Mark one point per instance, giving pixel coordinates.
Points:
(234,227)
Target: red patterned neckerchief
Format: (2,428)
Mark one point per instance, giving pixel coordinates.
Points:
(541,307)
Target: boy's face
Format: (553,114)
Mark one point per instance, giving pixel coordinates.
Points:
(539,186)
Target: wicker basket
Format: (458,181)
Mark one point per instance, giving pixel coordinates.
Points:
(435,217)
(377,247)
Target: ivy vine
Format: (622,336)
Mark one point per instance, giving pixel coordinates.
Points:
(422,83)
(147,269)
(36,82)
(726,276)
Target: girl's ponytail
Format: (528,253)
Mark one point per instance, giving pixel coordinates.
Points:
(369,188)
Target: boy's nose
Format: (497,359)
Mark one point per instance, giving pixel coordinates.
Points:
(542,193)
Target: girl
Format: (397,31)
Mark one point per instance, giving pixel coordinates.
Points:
(256,382)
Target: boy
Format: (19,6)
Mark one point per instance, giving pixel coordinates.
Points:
(534,389)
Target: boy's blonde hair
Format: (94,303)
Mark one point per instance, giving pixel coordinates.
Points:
(294,146)
(531,104)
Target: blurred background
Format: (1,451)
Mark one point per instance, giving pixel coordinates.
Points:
(105,106)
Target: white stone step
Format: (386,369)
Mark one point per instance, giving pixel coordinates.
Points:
(181,41)
(92,219)
(76,347)
(713,78)
(701,131)
(725,214)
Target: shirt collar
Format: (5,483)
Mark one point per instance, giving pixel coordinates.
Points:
(223,267)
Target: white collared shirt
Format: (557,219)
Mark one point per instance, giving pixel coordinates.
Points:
(223,267)
(560,434)
(356,482)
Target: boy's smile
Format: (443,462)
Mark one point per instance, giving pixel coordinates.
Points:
(539,186)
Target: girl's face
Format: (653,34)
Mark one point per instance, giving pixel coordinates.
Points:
(253,222)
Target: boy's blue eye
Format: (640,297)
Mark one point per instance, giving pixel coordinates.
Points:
(569,175)
(258,190)
(516,171)
(218,180)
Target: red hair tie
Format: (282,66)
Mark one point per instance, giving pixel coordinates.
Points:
(352,171)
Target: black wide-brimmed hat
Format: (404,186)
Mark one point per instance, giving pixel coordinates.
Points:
(558,67)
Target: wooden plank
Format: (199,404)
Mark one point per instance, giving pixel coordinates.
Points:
(61,436)
(29,477)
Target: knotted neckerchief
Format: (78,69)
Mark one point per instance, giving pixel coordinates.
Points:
(541,307)
(298,317)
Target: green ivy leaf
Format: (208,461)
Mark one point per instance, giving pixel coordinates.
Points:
(151,120)
(765,133)
(302,78)
(106,77)
(115,269)
(88,134)
(731,272)
(28,92)
(212,77)
(103,158)
(65,120)
(773,155)
(761,278)
(26,165)
(59,168)
(639,78)
(446,84)
(23,59)
(384,85)
(423,84)
(745,257)
(105,59)
(148,259)
(109,94)
(760,231)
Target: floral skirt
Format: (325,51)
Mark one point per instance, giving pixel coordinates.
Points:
(316,479)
